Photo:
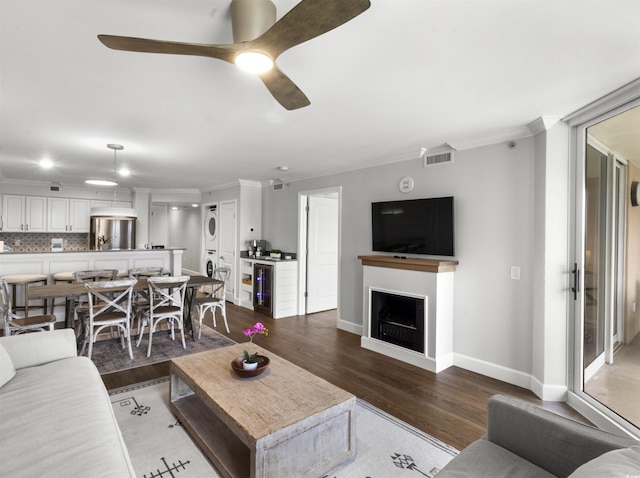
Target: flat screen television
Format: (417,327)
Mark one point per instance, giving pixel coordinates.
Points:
(414,226)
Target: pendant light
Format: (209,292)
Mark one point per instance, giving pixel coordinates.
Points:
(113,211)
(106,182)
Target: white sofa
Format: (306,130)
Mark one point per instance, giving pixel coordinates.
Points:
(56,418)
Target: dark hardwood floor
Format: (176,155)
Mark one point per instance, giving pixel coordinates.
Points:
(450,405)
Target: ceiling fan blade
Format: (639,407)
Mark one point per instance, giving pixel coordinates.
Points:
(221,52)
(307,20)
(284,90)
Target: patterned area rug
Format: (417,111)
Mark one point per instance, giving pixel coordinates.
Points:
(159,447)
(109,356)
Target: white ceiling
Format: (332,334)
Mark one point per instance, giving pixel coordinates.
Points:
(403,75)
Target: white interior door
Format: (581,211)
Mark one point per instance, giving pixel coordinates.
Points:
(322,249)
(228,244)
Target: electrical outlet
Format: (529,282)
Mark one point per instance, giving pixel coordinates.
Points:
(515,273)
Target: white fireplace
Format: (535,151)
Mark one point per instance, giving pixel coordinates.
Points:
(419,328)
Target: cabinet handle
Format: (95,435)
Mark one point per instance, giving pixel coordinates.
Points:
(1,223)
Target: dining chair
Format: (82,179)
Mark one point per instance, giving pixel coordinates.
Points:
(214,299)
(166,302)
(143,272)
(141,297)
(95,275)
(109,305)
(98,275)
(12,324)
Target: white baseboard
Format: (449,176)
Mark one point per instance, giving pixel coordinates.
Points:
(492,370)
(350,327)
(555,393)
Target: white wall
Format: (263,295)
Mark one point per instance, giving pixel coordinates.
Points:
(185,229)
(493,188)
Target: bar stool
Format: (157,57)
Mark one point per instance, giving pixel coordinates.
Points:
(58,277)
(25,280)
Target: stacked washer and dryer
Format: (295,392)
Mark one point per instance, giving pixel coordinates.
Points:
(210,240)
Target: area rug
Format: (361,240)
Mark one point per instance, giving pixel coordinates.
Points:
(109,356)
(159,446)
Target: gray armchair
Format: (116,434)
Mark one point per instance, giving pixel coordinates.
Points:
(523,440)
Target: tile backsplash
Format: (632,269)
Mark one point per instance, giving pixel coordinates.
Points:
(41,242)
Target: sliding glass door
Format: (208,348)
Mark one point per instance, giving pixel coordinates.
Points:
(607,320)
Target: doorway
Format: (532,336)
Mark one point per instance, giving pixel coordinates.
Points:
(319,246)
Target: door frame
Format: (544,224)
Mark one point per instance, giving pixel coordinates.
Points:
(233,295)
(611,105)
(302,242)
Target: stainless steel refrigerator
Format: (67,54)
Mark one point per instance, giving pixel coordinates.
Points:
(112,232)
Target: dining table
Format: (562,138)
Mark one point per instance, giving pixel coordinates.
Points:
(72,291)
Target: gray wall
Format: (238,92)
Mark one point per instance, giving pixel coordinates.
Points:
(185,230)
(494,208)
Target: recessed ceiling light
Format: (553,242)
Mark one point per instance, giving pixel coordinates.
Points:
(194,205)
(124,172)
(46,163)
(283,168)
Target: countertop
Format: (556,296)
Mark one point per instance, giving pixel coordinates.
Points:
(245,255)
(94,251)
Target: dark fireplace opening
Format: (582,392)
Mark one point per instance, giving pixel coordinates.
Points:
(398,319)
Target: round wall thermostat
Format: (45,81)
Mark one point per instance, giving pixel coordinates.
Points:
(406,184)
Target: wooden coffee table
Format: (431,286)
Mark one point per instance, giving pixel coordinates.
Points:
(285,422)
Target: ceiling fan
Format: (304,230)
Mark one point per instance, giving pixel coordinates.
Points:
(256,34)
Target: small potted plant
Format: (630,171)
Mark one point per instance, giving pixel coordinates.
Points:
(251,359)
(276,253)
(103,241)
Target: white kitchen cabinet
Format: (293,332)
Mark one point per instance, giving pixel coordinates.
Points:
(24,213)
(68,215)
(79,215)
(58,215)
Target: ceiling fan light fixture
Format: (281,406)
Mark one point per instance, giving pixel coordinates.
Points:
(254,62)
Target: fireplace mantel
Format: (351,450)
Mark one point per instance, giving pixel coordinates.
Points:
(409,263)
(429,279)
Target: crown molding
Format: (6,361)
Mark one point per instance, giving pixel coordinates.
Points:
(492,138)
(250,183)
(615,99)
(542,124)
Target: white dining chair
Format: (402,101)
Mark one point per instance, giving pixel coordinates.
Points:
(214,299)
(109,305)
(166,302)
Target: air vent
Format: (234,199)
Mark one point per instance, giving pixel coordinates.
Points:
(55,187)
(438,158)
(277,187)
